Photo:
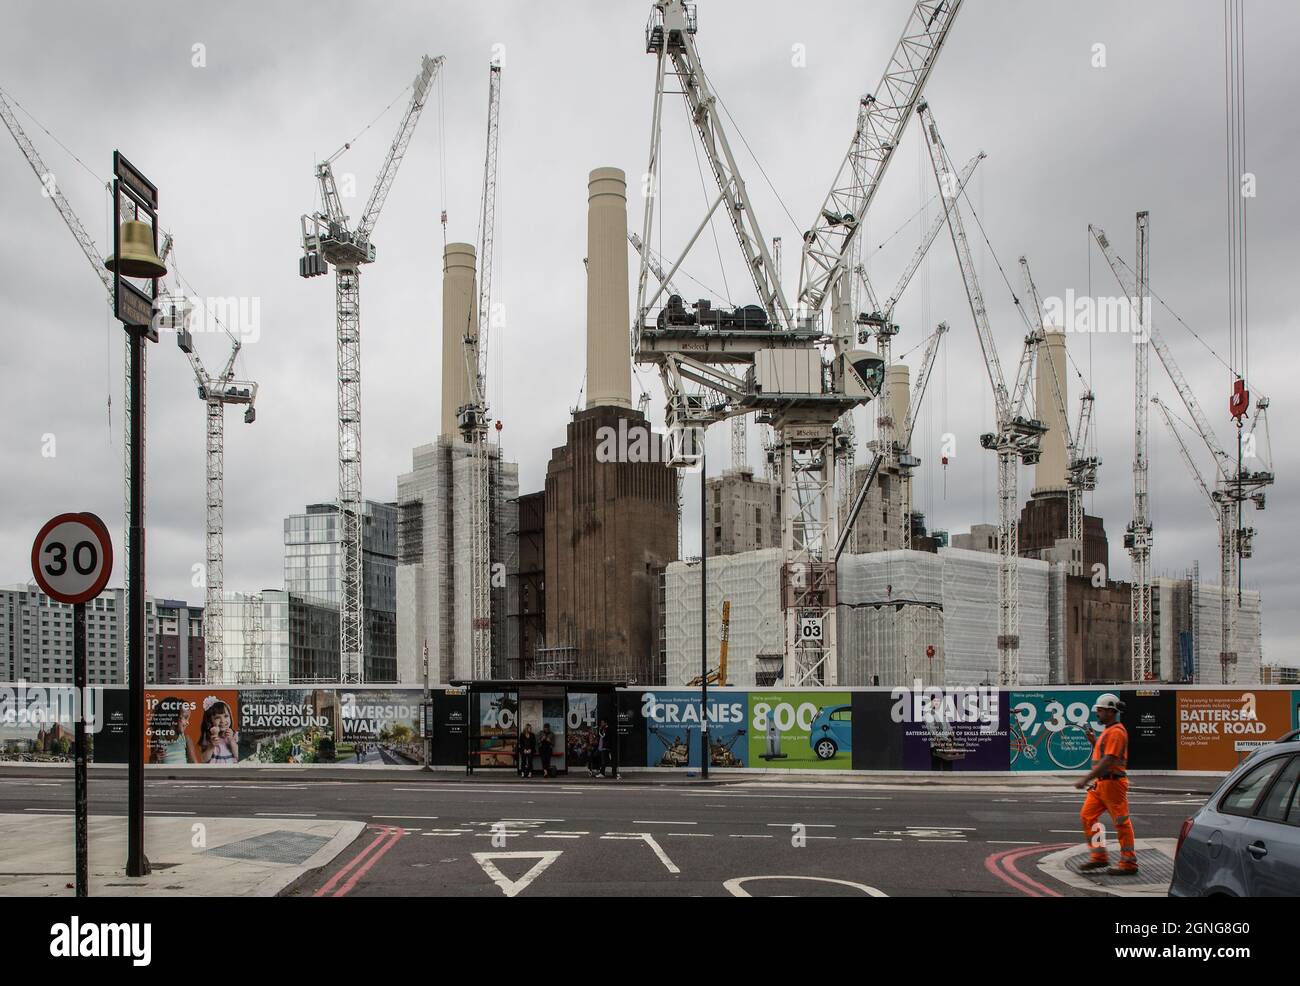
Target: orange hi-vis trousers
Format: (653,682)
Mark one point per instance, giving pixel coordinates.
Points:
(1109,796)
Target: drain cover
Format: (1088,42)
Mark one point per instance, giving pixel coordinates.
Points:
(281,846)
(1154,867)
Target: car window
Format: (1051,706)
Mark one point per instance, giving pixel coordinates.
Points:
(1277,801)
(1241,799)
(843,715)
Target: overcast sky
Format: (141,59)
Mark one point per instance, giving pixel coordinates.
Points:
(232,144)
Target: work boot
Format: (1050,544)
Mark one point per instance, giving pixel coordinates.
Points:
(1094,864)
(1129,869)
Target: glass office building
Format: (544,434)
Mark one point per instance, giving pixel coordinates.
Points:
(312,567)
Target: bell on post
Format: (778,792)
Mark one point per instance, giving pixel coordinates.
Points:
(138,257)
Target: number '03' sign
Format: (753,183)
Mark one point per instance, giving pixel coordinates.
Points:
(72,558)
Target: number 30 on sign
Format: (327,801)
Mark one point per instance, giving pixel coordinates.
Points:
(72,557)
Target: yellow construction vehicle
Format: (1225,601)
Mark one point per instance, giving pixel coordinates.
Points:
(718,676)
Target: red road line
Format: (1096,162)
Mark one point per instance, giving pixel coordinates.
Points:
(395,834)
(1003,866)
(321,892)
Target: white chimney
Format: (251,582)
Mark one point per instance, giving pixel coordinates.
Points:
(1050,472)
(459,319)
(609,361)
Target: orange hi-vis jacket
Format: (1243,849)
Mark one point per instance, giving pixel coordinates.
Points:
(1113,742)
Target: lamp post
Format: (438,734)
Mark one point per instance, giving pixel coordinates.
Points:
(135,254)
(704,618)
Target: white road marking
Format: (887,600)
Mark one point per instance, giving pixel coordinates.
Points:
(697,835)
(432,818)
(567,832)
(547,836)
(512,888)
(941,840)
(649,840)
(534,819)
(285,814)
(873,838)
(807,825)
(736,887)
(753,836)
(638,821)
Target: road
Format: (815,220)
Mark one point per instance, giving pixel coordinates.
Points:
(594,838)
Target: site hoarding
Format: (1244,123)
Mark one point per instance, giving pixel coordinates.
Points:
(37,723)
(951,729)
(1218,729)
(672,728)
(803,730)
(1170,727)
(379,726)
(1048,729)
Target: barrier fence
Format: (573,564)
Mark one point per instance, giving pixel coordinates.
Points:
(1196,728)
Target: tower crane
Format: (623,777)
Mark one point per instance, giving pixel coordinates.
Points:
(473,416)
(327,239)
(1233,484)
(907,461)
(215,392)
(1017,437)
(1081,466)
(879,322)
(747,364)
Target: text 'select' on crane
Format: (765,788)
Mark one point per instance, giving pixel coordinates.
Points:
(328,240)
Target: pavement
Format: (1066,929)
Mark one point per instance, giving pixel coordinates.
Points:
(214,856)
(417,833)
(1163,783)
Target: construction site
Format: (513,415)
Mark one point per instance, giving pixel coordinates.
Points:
(792,413)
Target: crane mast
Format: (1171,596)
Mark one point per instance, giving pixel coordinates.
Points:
(473,417)
(883,118)
(1017,436)
(173,313)
(1233,484)
(327,240)
(730,361)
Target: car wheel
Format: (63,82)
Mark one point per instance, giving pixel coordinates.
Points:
(825,749)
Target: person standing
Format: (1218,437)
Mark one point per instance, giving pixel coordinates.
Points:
(527,747)
(601,754)
(545,747)
(1107,786)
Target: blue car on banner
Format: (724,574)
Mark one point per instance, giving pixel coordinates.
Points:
(832,731)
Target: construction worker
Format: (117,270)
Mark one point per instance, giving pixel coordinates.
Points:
(1107,785)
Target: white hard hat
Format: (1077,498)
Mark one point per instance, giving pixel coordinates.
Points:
(1108,700)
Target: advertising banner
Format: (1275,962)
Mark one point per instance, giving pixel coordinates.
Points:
(288,725)
(580,732)
(672,722)
(498,729)
(801,730)
(189,726)
(379,726)
(1295,707)
(1049,730)
(1217,729)
(37,723)
(952,729)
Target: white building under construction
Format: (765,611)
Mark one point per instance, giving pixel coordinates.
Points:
(433,503)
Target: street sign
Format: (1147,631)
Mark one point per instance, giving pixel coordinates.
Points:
(72,557)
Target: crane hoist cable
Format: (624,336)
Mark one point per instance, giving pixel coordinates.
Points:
(713,230)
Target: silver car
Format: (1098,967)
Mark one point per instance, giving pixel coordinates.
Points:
(1245,841)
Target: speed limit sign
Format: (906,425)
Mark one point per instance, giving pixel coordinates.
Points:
(72,558)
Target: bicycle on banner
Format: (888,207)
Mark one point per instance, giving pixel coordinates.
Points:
(1064,738)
